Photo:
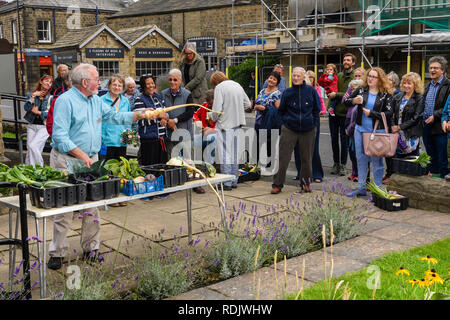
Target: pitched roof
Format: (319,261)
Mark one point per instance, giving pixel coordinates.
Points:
(83,36)
(150,7)
(134,35)
(110,5)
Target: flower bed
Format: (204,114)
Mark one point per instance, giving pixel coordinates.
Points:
(255,234)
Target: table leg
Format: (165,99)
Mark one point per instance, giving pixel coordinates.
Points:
(11,264)
(41,263)
(44,242)
(189,213)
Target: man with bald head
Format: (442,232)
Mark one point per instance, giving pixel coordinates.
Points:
(63,74)
(299,108)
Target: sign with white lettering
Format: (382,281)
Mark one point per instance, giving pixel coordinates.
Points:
(104,53)
(206,46)
(154,53)
(66,57)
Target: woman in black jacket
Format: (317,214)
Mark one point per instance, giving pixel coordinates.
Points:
(408,109)
(373,98)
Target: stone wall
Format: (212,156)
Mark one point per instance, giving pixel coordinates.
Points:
(426,193)
(202,23)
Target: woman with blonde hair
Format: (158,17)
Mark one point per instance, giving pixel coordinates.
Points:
(193,69)
(373,98)
(408,108)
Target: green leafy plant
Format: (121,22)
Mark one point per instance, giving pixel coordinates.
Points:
(126,169)
(424,159)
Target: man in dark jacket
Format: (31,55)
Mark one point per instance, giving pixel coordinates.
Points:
(299,108)
(435,97)
(337,122)
(63,74)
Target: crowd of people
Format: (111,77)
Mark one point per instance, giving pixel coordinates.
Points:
(357,101)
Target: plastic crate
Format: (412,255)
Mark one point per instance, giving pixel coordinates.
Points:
(99,190)
(57,197)
(172,175)
(408,167)
(390,204)
(131,188)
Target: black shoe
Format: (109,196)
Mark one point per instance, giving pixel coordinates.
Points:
(234,187)
(336,169)
(55,263)
(93,256)
(225,188)
(199,190)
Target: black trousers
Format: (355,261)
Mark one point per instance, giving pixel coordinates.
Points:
(115,152)
(337,132)
(152,152)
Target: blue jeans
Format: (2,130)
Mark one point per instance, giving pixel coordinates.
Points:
(316,162)
(363,162)
(227,147)
(436,147)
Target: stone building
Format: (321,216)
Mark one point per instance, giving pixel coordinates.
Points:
(208,23)
(129,52)
(42,23)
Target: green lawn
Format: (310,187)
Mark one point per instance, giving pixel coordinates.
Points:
(393,287)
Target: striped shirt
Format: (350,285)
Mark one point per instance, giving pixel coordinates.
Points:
(431,98)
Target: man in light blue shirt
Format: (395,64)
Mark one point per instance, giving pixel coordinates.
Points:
(77,132)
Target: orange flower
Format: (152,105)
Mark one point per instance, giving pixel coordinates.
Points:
(412,282)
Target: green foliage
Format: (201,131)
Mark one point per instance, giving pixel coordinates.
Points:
(234,257)
(392,286)
(160,275)
(242,72)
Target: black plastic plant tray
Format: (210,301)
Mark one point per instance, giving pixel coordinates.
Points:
(390,204)
(408,167)
(57,197)
(173,175)
(99,190)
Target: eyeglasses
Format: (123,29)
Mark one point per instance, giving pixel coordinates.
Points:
(188,53)
(173,79)
(95,80)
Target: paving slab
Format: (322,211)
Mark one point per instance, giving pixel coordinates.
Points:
(409,234)
(396,216)
(371,224)
(151,224)
(315,266)
(366,248)
(201,294)
(4,228)
(244,287)
(434,220)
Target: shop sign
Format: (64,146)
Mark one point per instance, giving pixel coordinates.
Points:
(104,53)
(66,57)
(45,61)
(206,46)
(154,53)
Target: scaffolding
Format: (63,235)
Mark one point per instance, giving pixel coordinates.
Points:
(375,17)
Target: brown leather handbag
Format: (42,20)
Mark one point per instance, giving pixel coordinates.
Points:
(380,144)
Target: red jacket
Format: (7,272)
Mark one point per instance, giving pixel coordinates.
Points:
(327,84)
(49,122)
(200,115)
